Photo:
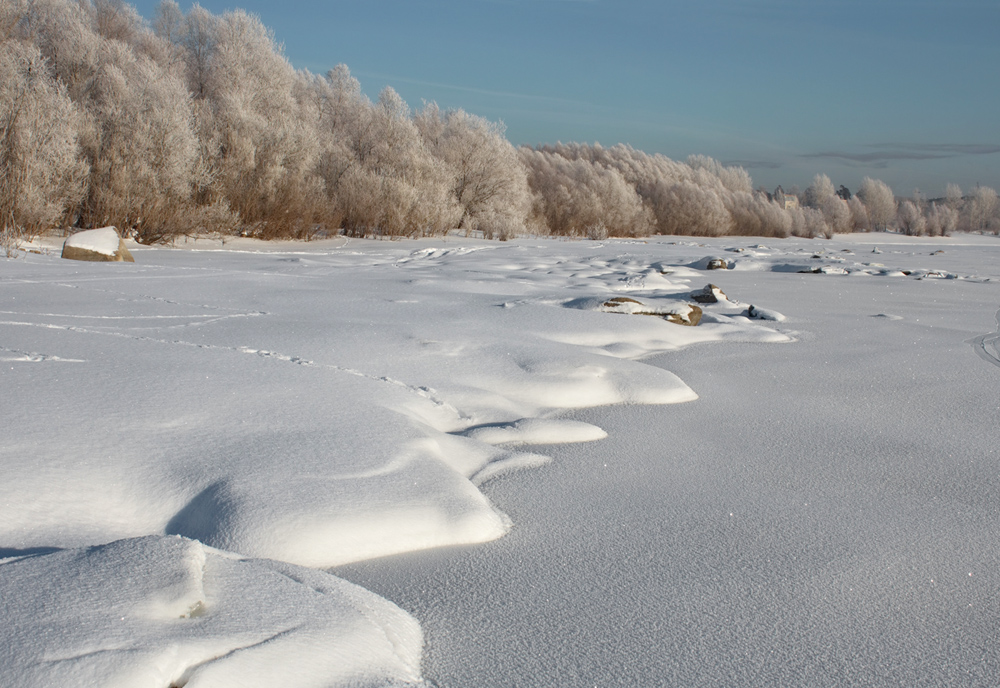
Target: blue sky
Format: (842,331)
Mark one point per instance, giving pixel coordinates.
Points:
(905,91)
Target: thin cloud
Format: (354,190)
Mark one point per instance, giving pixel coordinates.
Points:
(947,149)
(478,91)
(754,164)
(884,153)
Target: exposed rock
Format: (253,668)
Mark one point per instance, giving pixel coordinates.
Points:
(709,294)
(620,301)
(97,245)
(711,263)
(824,270)
(690,319)
(764,314)
(678,313)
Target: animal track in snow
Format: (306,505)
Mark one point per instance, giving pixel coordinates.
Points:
(18,356)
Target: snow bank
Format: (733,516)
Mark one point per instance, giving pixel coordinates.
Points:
(167,611)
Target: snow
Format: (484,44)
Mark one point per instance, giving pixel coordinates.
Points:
(329,404)
(104,240)
(166,611)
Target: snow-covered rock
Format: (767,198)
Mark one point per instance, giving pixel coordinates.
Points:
(711,263)
(709,294)
(764,314)
(97,245)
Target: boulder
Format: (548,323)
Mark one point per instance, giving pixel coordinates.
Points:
(764,314)
(711,263)
(97,245)
(709,294)
(691,318)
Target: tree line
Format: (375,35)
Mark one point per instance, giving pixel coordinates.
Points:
(196,123)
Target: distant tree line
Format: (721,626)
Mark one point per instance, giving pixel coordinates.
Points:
(197,124)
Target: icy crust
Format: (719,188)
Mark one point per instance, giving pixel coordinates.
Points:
(154,612)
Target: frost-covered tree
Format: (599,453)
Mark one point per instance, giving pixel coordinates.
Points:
(393,186)
(41,171)
(859,215)
(576,197)
(732,178)
(911,220)
(819,191)
(116,20)
(879,201)
(169,22)
(953,196)
(197,36)
(261,152)
(756,215)
(942,220)
(143,149)
(822,196)
(490,182)
(690,208)
(836,213)
(983,208)
(63,32)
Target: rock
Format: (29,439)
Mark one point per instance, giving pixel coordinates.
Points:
(710,263)
(677,313)
(690,319)
(824,270)
(97,245)
(619,301)
(709,294)
(764,314)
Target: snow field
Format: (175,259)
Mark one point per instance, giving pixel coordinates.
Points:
(324,406)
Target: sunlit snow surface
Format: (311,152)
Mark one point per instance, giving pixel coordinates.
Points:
(333,402)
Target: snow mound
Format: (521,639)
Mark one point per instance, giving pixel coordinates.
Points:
(155,611)
(537,431)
